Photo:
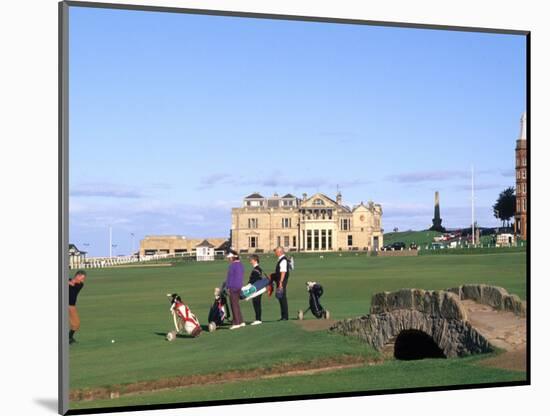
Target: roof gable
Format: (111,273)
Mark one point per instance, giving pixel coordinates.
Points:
(205,243)
(326,201)
(255,195)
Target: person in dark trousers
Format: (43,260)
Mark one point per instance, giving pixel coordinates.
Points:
(234,283)
(75,286)
(255,275)
(280,277)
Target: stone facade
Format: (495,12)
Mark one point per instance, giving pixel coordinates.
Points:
(520,223)
(310,224)
(175,244)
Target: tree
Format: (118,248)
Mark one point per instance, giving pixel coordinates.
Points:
(505,207)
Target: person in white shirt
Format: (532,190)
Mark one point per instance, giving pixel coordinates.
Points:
(280,277)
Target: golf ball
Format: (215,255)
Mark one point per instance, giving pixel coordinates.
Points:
(112,341)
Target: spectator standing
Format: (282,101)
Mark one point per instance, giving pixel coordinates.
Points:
(280,277)
(233,284)
(75,286)
(256,275)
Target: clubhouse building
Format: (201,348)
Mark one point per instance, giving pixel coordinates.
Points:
(308,224)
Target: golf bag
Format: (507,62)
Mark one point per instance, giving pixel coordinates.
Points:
(315,291)
(252,290)
(219,311)
(184,320)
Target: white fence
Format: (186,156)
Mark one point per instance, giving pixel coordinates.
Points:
(100,262)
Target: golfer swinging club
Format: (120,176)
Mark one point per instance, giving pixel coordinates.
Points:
(280,277)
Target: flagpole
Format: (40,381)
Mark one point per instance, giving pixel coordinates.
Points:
(473,210)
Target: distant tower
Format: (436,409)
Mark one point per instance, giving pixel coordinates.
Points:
(339,198)
(436,221)
(520,223)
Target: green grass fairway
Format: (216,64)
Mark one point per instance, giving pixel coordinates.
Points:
(129,305)
(391,375)
(421,238)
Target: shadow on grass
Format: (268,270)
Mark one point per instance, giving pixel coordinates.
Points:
(163,334)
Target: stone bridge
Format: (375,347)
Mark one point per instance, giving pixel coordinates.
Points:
(416,323)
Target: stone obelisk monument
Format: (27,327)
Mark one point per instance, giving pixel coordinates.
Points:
(436,221)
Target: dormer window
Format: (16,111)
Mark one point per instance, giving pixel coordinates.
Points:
(318,202)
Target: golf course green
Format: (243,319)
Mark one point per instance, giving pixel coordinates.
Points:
(125,316)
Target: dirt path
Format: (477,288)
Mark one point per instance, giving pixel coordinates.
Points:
(284,370)
(315,324)
(509,360)
(504,330)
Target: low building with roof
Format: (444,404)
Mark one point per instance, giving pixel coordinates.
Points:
(205,251)
(76,257)
(177,244)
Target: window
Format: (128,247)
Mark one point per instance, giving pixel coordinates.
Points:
(345,224)
(323,239)
(523,174)
(253,223)
(350,240)
(524,161)
(309,240)
(278,241)
(287,241)
(518,208)
(286,223)
(524,205)
(294,241)
(318,202)
(253,242)
(316,239)
(330,239)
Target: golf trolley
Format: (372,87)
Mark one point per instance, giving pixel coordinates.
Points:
(184,320)
(219,312)
(315,291)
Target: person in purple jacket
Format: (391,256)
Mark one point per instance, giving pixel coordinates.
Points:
(233,283)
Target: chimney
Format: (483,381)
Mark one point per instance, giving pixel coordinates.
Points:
(339,198)
(304,196)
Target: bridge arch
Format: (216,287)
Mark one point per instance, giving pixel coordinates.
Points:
(437,314)
(412,344)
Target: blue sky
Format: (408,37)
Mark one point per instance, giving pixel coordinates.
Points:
(175,118)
